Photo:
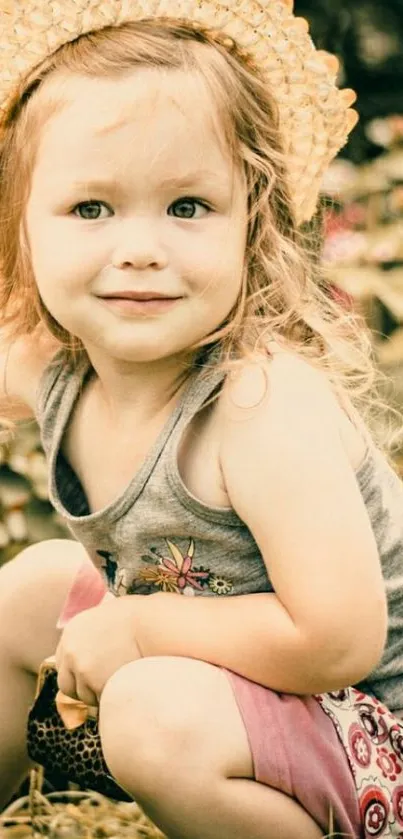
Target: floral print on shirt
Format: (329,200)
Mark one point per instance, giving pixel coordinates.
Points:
(169,570)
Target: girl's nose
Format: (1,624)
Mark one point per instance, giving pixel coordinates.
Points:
(138,245)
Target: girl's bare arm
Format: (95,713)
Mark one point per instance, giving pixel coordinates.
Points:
(22,362)
(289,478)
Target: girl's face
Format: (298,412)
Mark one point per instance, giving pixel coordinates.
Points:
(136,219)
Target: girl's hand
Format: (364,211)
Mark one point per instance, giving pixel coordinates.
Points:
(95,644)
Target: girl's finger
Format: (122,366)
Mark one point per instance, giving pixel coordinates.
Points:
(59,656)
(67,683)
(85,694)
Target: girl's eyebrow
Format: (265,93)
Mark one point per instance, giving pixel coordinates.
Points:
(204,176)
(201,175)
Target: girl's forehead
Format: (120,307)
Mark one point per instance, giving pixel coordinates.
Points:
(151,117)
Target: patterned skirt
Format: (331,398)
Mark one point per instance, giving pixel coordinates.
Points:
(373,741)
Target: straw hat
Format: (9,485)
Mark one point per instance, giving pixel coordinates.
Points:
(315,116)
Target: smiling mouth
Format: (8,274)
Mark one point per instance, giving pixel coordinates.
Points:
(139,296)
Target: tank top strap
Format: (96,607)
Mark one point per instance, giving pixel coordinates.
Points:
(201,389)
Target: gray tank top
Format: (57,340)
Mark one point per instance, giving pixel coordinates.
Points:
(157,536)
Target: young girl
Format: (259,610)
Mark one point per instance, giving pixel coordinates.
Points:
(197,395)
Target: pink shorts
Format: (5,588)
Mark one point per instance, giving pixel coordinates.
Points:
(295,749)
(294,744)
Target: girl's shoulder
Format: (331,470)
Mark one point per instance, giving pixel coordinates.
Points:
(279,374)
(22,362)
(288,385)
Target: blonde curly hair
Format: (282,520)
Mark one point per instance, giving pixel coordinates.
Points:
(285,296)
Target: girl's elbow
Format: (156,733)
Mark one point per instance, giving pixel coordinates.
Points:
(374,630)
(361,651)
(348,653)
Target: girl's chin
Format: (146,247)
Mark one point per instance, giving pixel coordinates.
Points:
(130,354)
(139,342)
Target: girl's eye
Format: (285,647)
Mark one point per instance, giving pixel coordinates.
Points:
(183,208)
(187,207)
(91,210)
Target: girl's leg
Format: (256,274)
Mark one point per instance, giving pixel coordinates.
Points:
(32,590)
(173,737)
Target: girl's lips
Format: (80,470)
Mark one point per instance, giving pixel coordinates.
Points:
(130,305)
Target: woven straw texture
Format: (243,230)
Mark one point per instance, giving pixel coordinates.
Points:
(315,116)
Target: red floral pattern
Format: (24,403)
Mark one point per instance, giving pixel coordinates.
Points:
(388,764)
(373,741)
(360,745)
(397,801)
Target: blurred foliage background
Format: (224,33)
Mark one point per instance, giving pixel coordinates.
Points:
(367,37)
(363,224)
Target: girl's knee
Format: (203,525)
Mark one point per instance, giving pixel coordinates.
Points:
(52,556)
(143,690)
(39,570)
(144,731)
(166,714)
(32,589)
